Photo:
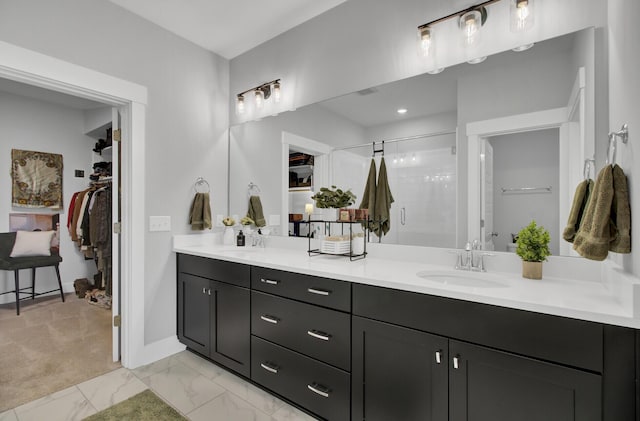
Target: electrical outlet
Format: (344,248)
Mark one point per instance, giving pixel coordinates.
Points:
(159,223)
(219,219)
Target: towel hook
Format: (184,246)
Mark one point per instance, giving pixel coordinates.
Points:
(253,189)
(588,164)
(201,185)
(622,134)
(375,151)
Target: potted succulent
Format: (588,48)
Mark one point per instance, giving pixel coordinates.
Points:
(532,246)
(333,198)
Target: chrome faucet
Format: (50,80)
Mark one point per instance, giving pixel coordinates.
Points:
(471,260)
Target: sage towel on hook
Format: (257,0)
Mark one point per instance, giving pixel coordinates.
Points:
(580,201)
(593,237)
(255,211)
(384,199)
(200,213)
(369,195)
(620,214)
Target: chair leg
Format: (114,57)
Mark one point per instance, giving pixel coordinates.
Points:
(17,278)
(33,283)
(59,283)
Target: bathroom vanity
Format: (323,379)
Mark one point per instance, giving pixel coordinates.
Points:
(350,341)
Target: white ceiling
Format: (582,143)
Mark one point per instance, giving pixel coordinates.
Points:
(227,27)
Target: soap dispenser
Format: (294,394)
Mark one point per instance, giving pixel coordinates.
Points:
(240,239)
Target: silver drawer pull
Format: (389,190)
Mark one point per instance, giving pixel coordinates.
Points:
(456,362)
(269,281)
(438,357)
(270,319)
(318,291)
(314,388)
(204,290)
(269,368)
(319,335)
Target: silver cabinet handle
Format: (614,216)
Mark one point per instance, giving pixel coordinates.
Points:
(269,281)
(204,290)
(456,362)
(318,291)
(267,367)
(209,291)
(319,335)
(438,357)
(270,319)
(314,388)
(403,216)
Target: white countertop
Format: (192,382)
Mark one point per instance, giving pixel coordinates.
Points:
(610,301)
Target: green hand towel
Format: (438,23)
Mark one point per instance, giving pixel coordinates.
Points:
(580,201)
(593,237)
(255,211)
(369,195)
(620,214)
(200,212)
(384,199)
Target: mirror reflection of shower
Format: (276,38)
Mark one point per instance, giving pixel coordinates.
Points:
(422,179)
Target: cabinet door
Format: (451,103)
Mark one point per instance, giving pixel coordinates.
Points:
(230,327)
(397,373)
(193,312)
(498,386)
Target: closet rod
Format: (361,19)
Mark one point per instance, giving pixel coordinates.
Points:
(398,139)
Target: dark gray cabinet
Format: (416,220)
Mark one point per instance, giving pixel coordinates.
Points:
(213,315)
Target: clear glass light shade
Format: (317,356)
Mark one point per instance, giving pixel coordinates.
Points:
(425,40)
(240,104)
(276,92)
(521,15)
(470,24)
(259,98)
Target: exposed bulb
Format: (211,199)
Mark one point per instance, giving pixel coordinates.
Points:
(240,104)
(470,24)
(425,37)
(259,98)
(521,15)
(276,92)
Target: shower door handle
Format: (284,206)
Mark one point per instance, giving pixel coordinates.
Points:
(403,215)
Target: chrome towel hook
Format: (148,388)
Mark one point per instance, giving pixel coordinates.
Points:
(622,134)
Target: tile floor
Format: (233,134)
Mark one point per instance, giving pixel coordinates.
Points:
(198,389)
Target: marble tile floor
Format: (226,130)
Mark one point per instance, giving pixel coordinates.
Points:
(195,387)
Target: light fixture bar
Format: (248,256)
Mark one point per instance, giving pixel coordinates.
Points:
(260,87)
(456,14)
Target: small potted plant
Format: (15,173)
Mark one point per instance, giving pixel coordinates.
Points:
(246,223)
(333,198)
(532,246)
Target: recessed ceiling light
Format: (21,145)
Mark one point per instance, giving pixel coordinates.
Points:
(402,110)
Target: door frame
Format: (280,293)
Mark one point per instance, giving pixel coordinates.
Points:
(33,68)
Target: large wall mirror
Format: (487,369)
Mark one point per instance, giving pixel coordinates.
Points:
(461,160)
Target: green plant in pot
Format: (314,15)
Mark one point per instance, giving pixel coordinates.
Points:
(532,246)
(333,198)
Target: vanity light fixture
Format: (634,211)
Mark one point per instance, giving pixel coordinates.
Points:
(524,47)
(436,71)
(261,93)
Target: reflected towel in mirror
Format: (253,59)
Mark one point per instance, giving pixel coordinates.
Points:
(255,211)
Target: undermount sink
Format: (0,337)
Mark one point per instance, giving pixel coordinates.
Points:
(462,279)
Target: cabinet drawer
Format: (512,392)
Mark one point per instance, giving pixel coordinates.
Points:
(318,332)
(218,270)
(318,387)
(553,338)
(311,289)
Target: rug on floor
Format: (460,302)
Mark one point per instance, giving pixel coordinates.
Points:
(145,406)
(50,346)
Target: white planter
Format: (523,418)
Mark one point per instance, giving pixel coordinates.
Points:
(229,236)
(330,214)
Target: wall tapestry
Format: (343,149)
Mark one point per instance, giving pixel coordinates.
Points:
(37,179)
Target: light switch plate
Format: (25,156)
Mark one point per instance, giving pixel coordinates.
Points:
(219,220)
(159,223)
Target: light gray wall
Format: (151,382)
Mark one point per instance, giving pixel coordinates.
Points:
(624,85)
(187,115)
(256,151)
(526,160)
(34,125)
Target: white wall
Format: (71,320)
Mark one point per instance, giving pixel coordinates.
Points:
(624,85)
(187,115)
(527,159)
(33,125)
(255,151)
